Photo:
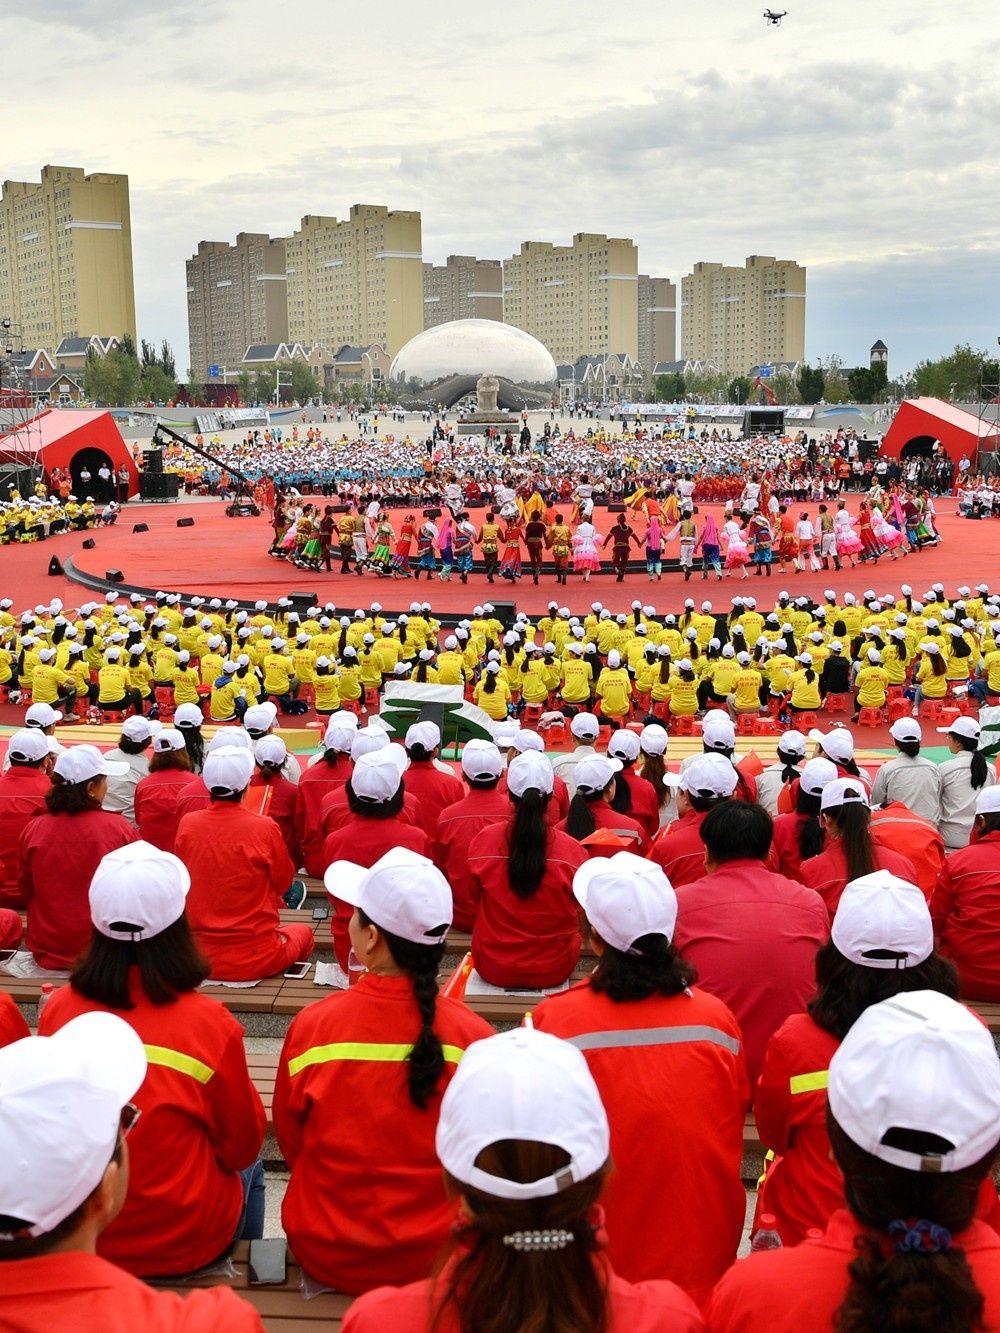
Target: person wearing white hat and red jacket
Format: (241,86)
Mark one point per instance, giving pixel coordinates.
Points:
(837,745)
(458,825)
(591,810)
(679,850)
(432,787)
(524,1142)
(66,1111)
(202,1119)
(373,826)
(61,849)
(360,1081)
(798,835)
(881,944)
(526,931)
(962,777)
(626,747)
(23,788)
(849,850)
(751,934)
(336,808)
(158,794)
(914,1121)
(329,773)
(668,1062)
(240,872)
(270,793)
(965,905)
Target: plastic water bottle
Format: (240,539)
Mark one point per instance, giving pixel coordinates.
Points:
(766,1236)
(44,996)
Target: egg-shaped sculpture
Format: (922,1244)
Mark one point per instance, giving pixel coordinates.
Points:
(442,365)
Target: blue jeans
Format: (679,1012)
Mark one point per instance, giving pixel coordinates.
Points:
(251,1224)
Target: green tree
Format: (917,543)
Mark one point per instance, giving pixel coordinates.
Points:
(167,363)
(194,386)
(100,379)
(669,388)
(126,345)
(964,375)
(868,383)
(812,381)
(835,389)
(155,384)
(739,389)
(263,387)
(244,382)
(148,354)
(303,384)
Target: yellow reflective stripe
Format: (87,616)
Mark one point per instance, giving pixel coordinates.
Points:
(184,1064)
(810,1082)
(380,1052)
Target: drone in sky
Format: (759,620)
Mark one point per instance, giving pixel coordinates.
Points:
(773,19)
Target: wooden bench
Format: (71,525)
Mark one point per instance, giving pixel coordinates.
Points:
(283,1308)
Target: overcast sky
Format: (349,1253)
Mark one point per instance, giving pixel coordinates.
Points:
(859,138)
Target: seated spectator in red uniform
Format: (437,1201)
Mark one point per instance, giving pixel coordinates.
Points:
(432,787)
(270,793)
(328,774)
(188,720)
(374,826)
(591,807)
(524,1142)
(667,1059)
(202,1119)
(61,849)
(837,745)
(643,800)
(679,851)
(240,872)
(459,824)
(881,944)
(718,736)
(23,789)
(966,903)
(526,932)
(335,809)
(751,934)
(798,835)
(158,793)
(512,739)
(914,1110)
(364,1071)
(849,849)
(65,1114)
(898,829)
(12,1024)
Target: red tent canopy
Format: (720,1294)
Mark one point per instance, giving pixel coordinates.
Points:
(70,439)
(921,421)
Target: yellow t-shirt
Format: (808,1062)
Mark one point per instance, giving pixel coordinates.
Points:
(805,693)
(614,689)
(746,689)
(683,696)
(348,682)
(872,682)
(46,682)
(186,683)
(328,693)
(277,673)
(112,683)
(933,687)
(495,703)
(222,704)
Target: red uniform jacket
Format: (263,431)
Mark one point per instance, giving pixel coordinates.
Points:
(647,1307)
(12,1024)
(966,914)
(195,797)
(626,825)
(433,792)
(457,826)
(753,937)
(897,828)
(335,812)
(22,797)
(525,942)
(315,784)
(827,873)
(558,801)
(363,841)
(11,928)
(785,852)
(202,1122)
(239,872)
(59,854)
(87,1294)
(679,850)
(644,801)
(801,1288)
(277,799)
(157,805)
(670,1072)
(341,1089)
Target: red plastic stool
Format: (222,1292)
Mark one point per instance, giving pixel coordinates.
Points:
(746,723)
(895,692)
(350,706)
(372,698)
(661,710)
(932,709)
(637,727)
(871,717)
(837,703)
(605,733)
(112,715)
(682,724)
(948,715)
(532,713)
(164,696)
(803,721)
(899,707)
(642,702)
(556,734)
(307,694)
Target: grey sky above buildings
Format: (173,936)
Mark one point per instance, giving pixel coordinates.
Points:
(859,138)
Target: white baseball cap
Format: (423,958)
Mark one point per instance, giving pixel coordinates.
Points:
(61,1099)
(270,750)
(585,727)
(228,770)
(188,715)
(403,893)
(340,734)
(708,776)
(883,921)
(966,727)
(793,742)
(530,771)
(42,715)
(906,729)
(368,740)
(524,1085)
(625,897)
(83,763)
(924,1063)
(988,801)
(167,739)
(624,745)
(653,739)
(844,791)
(260,717)
(837,743)
(138,891)
(140,729)
(230,738)
(481,759)
(595,772)
(528,740)
(817,775)
(29,745)
(427,734)
(376,776)
(717,731)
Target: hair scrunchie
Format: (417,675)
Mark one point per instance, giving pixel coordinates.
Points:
(918,1236)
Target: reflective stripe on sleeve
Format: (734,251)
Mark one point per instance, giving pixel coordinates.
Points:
(603,1041)
(809,1082)
(377,1052)
(177,1060)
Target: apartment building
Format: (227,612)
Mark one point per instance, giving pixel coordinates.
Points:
(236,297)
(66,256)
(743,317)
(463,287)
(657,322)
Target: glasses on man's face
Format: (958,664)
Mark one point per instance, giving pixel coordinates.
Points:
(129,1119)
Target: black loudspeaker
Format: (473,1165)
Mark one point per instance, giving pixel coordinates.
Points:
(158,485)
(185,522)
(55,568)
(153,461)
(302,601)
(89,544)
(505,612)
(114,576)
(617,509)
(432,513)
(140,527)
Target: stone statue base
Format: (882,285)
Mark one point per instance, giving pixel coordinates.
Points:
(476,423)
